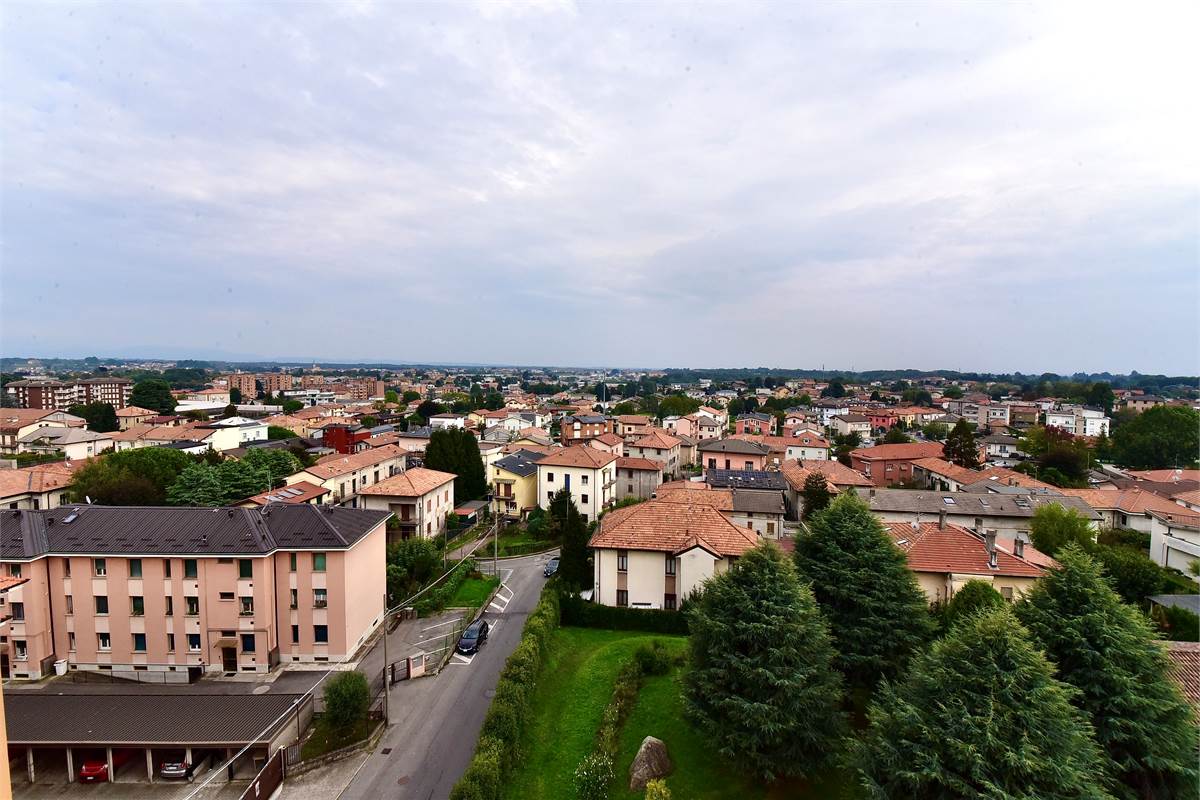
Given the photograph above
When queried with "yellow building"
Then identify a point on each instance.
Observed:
(514, 484)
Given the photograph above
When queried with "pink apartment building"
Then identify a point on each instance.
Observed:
(188, 590)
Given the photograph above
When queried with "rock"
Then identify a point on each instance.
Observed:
(650, 762)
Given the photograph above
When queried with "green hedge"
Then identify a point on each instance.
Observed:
(582, 614)
(496, 753)
(436, 599)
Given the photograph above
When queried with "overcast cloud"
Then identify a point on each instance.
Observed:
(975, 186)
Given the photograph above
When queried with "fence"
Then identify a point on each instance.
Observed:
(268, 778)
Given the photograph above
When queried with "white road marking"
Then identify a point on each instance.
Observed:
(439, 625)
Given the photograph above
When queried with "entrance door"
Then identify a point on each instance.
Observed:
(229, 659)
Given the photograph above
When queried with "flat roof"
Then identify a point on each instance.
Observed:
(145, 719)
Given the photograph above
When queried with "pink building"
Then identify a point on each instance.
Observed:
(188, 590)
(733, 454)
(755, 423)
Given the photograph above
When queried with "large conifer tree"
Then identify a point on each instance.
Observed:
(1107, 650)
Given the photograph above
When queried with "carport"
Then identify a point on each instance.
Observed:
(54, 733)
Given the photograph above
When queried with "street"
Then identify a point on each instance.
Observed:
(435, 721)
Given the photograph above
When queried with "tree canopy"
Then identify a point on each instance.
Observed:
(153, 394)
(1054, 526)
(456, 450)
(232, 481)
(101, 417)
(815, 494)
(1107, 650)
(878, 615)
(1160, 437)
(570, 529)
(960, 447)
(980, 716)
(129, 478)
(761, 684)
(973, 597)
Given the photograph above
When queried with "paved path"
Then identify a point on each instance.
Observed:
(435, 721)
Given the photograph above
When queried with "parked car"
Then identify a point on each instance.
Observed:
(551, 567)
(473, 638)
(177, 767)
(95, 770)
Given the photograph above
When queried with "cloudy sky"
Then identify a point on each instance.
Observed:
(976, 185)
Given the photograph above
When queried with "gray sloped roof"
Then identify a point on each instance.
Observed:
(734, 446)
(745, 479)
(927, 501)
(759, 501)
(522, 462)
(1189, 601)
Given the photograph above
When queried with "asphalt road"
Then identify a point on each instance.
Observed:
(435, 721)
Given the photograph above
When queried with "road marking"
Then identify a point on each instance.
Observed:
(439, 625)
(461, 659)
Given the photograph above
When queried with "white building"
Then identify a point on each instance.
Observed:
(588, 473)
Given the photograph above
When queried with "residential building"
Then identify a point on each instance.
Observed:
(942, 476)
(759, 510)
(1064, 420)
(632, 426)
(42, 486)
(638, 477)
(579, 428)
(18, 422)
(134, 415)
(45, 394)
(1175, 540)
(1140, 403)
(183, 591)
(299, 493)
(345, 437)
(515, 485)
(889, 464)
(1002, 449)
(838, 478)
(73, 443)
(1126, 508)
(755, 423)
(659, 446)
(732, 454)
(848, 423)
(944, 557)
(346, 476)
(420, 499)
(609, 443)
(448, 421)
(654, 554)
(587, 473)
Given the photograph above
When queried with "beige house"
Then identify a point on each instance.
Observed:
(638, 477)
(182, 591)
(419, 498)
(347, 475)
(587, 473)
(133, 415)
(18, 422)
(43, 486)
(659, 446)
(75, 443)
(846, 424)
(514, 484)
(654, 554)
(944, 557)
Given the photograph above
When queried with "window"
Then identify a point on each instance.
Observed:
(189, 568)
(139, 643)
(247, 642)
(670, 565)
(14, 570)
(321, 634)
(247, 607)
(70, 604)
(712, 463)
(583, 498)
(225, 595)
(193, 642)
(224, 560)
(320, 598)
(101, 604)
(584, 480)
(245, 568)
(622, 597)
(631, 488)
(549, 477)
(770, 527)
(18, 611)
(66, 567)
(549, 495)
(99, 567)
(295, 600)
(191, 606)
(622, 561)
(137, 606)
(22, 649)
(1007, 593)
(170, 643)
(103, 641)
(291, 562)
(295, 634)
(71, 641)
(170, 606)
(669, 602)
(166, 567)
(318, 562)
(135, 568)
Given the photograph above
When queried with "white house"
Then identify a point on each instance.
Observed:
(807, 446)
(587, 472)
(448, 421)
(1175, 540)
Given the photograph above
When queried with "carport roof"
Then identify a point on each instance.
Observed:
(144, 719)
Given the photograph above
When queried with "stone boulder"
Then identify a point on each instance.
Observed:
(650, 762)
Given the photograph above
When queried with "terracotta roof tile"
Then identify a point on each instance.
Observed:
(578, 456)
(414, 482)
(954, 549)
(648, 464)
(337, 464)
(949, 470)
(836, 473)
(672, 528)
(657, 439)
(720, 499)
(911, 450)
(1185, 668)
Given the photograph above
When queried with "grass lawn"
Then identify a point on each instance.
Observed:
(516, 541)
(576, 686)
(325, 740)
(473, 592)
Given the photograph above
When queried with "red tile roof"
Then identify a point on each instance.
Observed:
(720, 499)
(931, 548)
(578, 456)
(795, 471)
(287, 494)
(39, 478)
(672, 528)
(1185, 669)
(648, 464)
(337, 464)
(1130, 501)
(610, 439)
(1167, 475)
(414, 482)
(657, 439)
(888, 452)
(946, 469)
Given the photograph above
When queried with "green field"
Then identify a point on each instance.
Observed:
(473, 592)
(577, 684)
(516, 541)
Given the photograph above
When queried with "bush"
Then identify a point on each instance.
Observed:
(593, 775)
(496, 753)
(347, 700)
(657, 790)
(1176, 624)
(435, 599)
(654, 659)
(972, 598)
(580, 613)
(595, 771)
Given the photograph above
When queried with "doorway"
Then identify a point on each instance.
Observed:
(229, 659)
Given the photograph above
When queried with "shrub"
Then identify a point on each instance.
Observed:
(582, 614)
(657, 790)
(347, 699)
(654, 659)
(1176, 624)
(972, 598)
(435, 599)
(593, 775)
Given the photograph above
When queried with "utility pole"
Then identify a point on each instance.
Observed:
(495, 546)
(386, 665)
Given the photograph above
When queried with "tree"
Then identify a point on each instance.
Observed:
(952, 393)
(390, 396)
(975, 596)
(275, 432)
(456, 450)
(677, 405)
(815, 494)
(428, 408)
(292, 406)
(1100, 395)
(411, 563)
(410, 395)
(1054, 526)
(235, 395)
(835, 389)
(153, 394)
(369, 421)
(230, 411)
(960, 448)
(1161, 437)
(129, 478)
(877, 612)
(935, 431)
(1133, 576)
(198, 485)
(1108, 651)
(979, 716)
(574, 568)
(101, 417)
(347, 700)
(761, 686)
(896, 435)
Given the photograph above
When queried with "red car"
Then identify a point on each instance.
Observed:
(95, 770)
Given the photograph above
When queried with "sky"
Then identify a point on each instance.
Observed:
(973, 186)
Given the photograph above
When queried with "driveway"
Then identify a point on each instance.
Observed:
(435, 721)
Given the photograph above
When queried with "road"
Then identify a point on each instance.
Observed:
(435, 721)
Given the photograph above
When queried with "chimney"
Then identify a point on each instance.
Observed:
(989, 539)
(942, 519)
(1019, 547)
